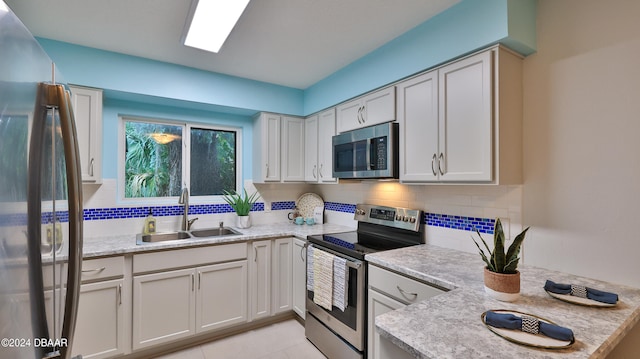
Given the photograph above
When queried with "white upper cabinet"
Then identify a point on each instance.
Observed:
(465, 152)
(87, 107)
(311, 149)
(418, 118)
(319, 130)
(266, 148)
(293, 149)
(371, 109)
(278, 148)
(462, 122)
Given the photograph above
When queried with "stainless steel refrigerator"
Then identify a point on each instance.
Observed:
(40, 201)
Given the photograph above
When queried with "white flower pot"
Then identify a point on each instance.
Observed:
(243, 222)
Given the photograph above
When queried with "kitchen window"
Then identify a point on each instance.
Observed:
(162, 157)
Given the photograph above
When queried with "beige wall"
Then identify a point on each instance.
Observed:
(581, 192)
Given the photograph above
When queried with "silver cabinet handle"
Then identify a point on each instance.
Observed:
(255, 258)
(405, 294)
(301, 253)
(193, 284)
(267, 166)
(314, 171)
(320, 171)
(199, 279)
(119, 294)
(440, 160)
(91, 167)
(433, 159)
(97, 270)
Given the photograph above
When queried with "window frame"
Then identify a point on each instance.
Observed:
(186, 159)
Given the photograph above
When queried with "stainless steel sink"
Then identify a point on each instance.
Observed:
(214, 232)
(161, 237)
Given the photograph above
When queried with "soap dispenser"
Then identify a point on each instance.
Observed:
(149, 223)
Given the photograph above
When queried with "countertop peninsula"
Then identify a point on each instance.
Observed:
(449, 325)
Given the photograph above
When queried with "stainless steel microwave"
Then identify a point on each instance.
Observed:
(370, 152)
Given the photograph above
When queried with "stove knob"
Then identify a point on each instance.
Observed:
(412, 220)
(398, 217)
(405, 219)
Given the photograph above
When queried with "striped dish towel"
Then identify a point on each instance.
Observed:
(310, 249)
(340, 283)
(323, 278)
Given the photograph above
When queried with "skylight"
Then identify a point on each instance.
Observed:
(212, 22)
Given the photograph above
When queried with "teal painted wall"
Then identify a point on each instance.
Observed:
(113, 109)
(467, 26)
(138, 76)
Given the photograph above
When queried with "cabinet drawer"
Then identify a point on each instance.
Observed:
(191, 257)
(101, 268)
(402, 288)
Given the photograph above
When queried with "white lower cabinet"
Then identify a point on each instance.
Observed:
(281, 271)
(390, 291)
(299, 267)
(164, 307)
(221, 298)
(260, 279)
(173, 304)
(270, 277)
(101, 327)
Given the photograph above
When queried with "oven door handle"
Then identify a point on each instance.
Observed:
(351, 262)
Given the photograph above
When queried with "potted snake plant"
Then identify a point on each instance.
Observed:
(501, 277)
(241, 205)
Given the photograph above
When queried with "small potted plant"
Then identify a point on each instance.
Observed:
(501, 277)
(242, 205)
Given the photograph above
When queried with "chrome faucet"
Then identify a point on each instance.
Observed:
(184, 200)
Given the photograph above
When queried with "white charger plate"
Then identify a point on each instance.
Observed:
(524, 338)
(307, 203)
(580, 301)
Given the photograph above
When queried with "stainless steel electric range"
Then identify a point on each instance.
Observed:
(342, 334)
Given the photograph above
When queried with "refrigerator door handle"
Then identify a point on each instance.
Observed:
(74, 185)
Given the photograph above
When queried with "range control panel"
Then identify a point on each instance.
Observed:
(389, 216)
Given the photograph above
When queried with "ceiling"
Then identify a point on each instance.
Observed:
(294, 43)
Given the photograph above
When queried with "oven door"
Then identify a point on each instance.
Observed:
(348, 324)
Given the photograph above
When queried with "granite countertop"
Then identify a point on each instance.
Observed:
(101, 246)
(449, 325)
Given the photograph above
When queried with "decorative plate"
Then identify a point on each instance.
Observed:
(581, 301)
(528, 339)
(307, 203)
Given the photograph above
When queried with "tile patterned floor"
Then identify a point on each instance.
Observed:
(284, 340)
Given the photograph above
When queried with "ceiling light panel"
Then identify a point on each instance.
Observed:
(212, 22)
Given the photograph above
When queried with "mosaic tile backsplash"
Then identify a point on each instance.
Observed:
(483, 225)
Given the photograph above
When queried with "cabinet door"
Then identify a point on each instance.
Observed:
(100, 326)
(221, 295)
(465, 114)
(282, 272)
(379, 347)
(379, 107)
(260, 279)
(326, 130)
(311, 149)
(299, 266)
(163, 307)
(269, 147)
(418, 120)
(350, 115)
(293, 149)
(87, 107)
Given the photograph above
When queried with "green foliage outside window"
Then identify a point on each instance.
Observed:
(153, 164)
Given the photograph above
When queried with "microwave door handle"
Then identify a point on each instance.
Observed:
(371, 155)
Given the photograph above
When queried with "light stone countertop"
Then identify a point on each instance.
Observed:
(449, 325)
(123, 244)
